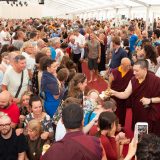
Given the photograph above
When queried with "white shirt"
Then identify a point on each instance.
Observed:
(60, 131)
(158, 72)
(3, 36)
(12, 80)
(80, 39)
(58, 50)
(29, 60)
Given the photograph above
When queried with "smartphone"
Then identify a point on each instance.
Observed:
(141, 128)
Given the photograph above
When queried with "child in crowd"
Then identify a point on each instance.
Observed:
(91, 101)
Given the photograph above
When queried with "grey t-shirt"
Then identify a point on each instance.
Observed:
(93, 48)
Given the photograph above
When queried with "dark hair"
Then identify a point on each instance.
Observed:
(63, 74)
(72, 116)
(32, 34)
(4, 48)
(151, 53)
(110, 104)
(74, 90)
(47, 63)
(34, 98)
(157, 32)
(38, 56)
(64, 45)
(116, 40)
(148, 148)
(71, 100)
(105, 121)
(143, 63)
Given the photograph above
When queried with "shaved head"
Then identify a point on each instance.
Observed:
(125, 61)
(126, 64)
(5, 98)
(5, 95)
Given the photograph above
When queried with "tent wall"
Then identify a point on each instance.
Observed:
(7, 11)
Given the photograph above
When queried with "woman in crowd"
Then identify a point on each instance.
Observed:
(38, 114)
(77, 86)
(51, 87)
(106, 133)
(24, 107)
(151, 57)
(34, 140)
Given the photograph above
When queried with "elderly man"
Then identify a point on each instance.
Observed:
(144, 89)
(16, 78)
(11, 145)
(10, 108)
(118, 80)
(75, 144)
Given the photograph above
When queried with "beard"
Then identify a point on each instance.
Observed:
(6, 131)
(5, 106)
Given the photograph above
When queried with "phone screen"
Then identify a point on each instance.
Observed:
(142, 129)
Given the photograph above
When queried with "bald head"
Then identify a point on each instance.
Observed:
(125, 61)
(125, 64)
(5, 119)
(5, 98)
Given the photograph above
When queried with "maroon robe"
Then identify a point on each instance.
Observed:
(149, 88)
(75, 146)
(120, 84)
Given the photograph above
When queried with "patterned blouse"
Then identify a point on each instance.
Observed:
(46, 122)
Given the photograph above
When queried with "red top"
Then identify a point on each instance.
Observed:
(109, 144)
(13, 112)
(110, 147)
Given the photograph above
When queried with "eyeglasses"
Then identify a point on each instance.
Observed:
(5, 125)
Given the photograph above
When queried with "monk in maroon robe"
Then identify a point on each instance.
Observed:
(144, 89)
(119, 80)
(75, 145)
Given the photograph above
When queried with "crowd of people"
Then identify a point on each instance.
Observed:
(47, 110)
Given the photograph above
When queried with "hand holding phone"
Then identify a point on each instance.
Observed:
(141, 128)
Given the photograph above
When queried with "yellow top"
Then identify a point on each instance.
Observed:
(122, 72)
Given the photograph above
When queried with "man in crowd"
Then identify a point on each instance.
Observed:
(80, 42)
(11, 145)
(118, 53)
(75, 145)
(118, 80)
(144, 89)
(6, 106)
(94, 56)
(133, 38)
(16, 78)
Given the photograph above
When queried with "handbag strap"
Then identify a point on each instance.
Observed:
(19, 88)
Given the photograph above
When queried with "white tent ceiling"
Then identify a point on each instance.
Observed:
(62, 7)
(78, 6)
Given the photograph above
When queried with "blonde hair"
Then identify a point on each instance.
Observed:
(45, 49)
(25, 45)
(26, 93)
(35, 125)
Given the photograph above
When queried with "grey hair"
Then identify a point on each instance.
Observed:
(54, 41)
(19, 57)
(143, 63)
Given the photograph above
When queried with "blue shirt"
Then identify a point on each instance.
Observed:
(117, 56)
(53, 53)
(132, 42)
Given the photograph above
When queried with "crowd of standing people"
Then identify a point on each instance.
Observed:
(47, 110)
